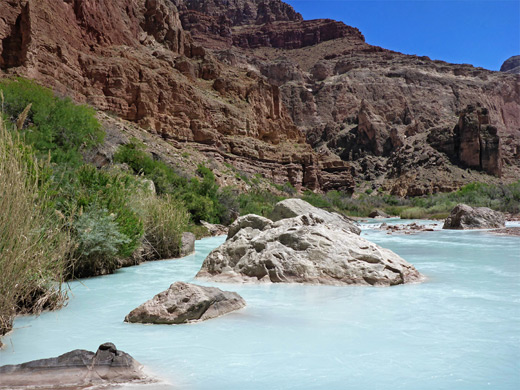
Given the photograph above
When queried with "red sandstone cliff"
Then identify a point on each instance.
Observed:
(247, 81)
(133, 58)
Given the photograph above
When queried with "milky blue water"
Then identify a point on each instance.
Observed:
(458, 330)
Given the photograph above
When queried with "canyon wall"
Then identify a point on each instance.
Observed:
(251, 83)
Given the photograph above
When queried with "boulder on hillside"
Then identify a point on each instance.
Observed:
(75, 369)
(184, 303)
(303, 249)
(465, 217)
(290, 208)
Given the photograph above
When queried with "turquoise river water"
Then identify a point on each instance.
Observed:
(458, 330)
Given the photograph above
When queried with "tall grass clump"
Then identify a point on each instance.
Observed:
(165, 221)
(33, 248)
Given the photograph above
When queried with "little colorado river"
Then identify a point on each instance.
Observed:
(459, 329)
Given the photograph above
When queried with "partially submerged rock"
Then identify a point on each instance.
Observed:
(465, 217)
(184, 303)
(215, 229)
(187, 244)
(75, 369)
(290, 208)
(378, 214)
(303, 249)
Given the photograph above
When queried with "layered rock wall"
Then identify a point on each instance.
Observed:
(133, 58)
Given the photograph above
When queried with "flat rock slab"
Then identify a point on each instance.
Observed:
(303, 249)
(185, 303)
(466, 217)
(510, 231)
(74, 370)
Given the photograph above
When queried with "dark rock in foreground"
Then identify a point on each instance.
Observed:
(303, 249)
(466, 217)
(75, 369)
(184, 303)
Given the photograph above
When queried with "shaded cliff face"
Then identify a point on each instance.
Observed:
(133, 58)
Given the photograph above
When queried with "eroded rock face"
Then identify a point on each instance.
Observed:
(248, 82)
(355, 102)
(133, 58)
(303, 249)
(466, 217)
(290, 208)
(477, 143)
(75, 369)
(184, 303)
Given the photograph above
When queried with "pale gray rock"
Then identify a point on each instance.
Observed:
(215, 229)
(75, 369)
(290, 208)
(252, 221)
(466, 217)
(304, 249)
(187, 244)
(185, 303)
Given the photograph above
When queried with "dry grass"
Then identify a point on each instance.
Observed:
(32, 248)
(165, 221)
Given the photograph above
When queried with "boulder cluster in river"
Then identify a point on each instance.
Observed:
(303, 244)
(466, 217)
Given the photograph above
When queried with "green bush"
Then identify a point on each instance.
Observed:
(98, 242)
(86, 187)
(256, 201)
(56, 126)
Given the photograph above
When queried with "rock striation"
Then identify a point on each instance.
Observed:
(75, 369)
(303, 249)
(465, 217)
(186, 303)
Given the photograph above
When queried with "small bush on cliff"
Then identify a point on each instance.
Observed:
(56, 126)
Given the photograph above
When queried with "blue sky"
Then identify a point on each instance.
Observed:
(479, 32)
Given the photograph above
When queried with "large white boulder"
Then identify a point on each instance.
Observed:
(303, 249)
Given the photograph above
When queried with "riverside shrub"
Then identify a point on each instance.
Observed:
(54, 126)
(33, 247)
